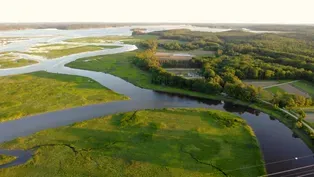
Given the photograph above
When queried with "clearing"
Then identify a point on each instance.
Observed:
(167, 142)
(261, 83)
(173, 56)
(189, 73)
(305, 86)
(39, 92)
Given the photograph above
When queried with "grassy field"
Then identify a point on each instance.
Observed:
(39, 92)
(6, 159)
(305, 86)
(261, 83)
(197, 52)
(167, 142)
(275, 90)
(15, 63)
(109, 39)
(56, 53)
(12, 60)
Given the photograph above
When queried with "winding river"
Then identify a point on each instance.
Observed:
(279, 145)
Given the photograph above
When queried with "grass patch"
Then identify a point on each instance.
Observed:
(15, 63)
(305, 86)
(56, 53)
(109, 39)
(167, 142)
(100, 39)
(6, 159)
(39, 92)
(275, 90)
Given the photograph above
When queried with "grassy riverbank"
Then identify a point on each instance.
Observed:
(120, 65)
(6, 159)
(167, 142)
(64, 51)
(14, 64)
(39, 92)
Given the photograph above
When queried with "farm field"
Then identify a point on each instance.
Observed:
(39, 92)
(167, 142)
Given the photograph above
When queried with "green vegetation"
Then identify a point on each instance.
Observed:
(121, 66)
(234, 61)
(6, 159)
(15, 63)
(99, 39)
(56, 53)
(109, 39)
(167, 142)
(275, 90)
(308, 87)
(38, 92)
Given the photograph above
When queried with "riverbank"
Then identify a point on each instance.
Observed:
(41, 92)
(120, 65)
(162, 142)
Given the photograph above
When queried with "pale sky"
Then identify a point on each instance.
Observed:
(191, 11)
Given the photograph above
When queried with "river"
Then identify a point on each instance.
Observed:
(278, 144)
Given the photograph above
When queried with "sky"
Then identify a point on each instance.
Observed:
(183, 11)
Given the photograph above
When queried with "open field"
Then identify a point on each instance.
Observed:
(9, 60)
(110, 39)
(275, 90)
(173, 56)
(261, 83)
(294, 87)
(39, 92)
(6, 159)
(305, 87)
(60, 50)
(185, 72)
(103, 39)
(289, 88)
(198, 52)
(167, 142)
